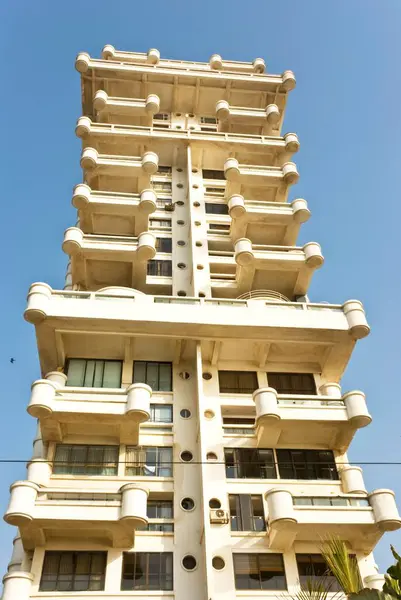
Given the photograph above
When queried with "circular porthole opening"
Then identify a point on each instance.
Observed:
(194, 170)
(198, 223)
(198, 244)
(209, 414)
(207, 376)
(180, 185)
(195, 186)
(189, 562)
(196, 204)
(202, 295)
(180, 222)
(184, 375)
(178, 114)
(191, 116)
(181, 243)
(218, 563)
(199, 267)
(182, 266)
(178, 127)
(214, 503)
(179, 170)
(187, 504)
(186, 456)
(185, 413)
(192, 128)
(211, 456)
(181, 293)
(180, 203)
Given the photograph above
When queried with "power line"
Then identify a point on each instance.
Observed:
(194, 462)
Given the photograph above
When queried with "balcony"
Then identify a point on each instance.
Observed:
(109, 171)
(65, 411)
(269, 183)
(260, 221)
(99, 260)
(268, 119)
(108, 106)
(117, 213)
(51, 515)
(312, 337)
(325, 421)
(361, 526)
(108, 138)
(285, 269)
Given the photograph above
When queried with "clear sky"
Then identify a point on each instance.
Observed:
(345, 109)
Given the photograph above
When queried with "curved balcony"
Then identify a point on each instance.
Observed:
(354, 520)
(268, 119)
(135, 107)
(256, 266)
(108, 167)
(117, 213)
(45, 514)
(17, 585)
(274, 221)
(274, 182)
(98, 260)
(64, 411)
(327, 420)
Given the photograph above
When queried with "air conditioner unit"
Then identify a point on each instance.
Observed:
(218, 515)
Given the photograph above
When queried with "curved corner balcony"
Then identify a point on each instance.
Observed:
(116, 212)
(45, 515)
(64, 411)
(274, 182)
(269, 119)
(133, 107)
(108, 167)
(255, 266)
(360, 520)
(281, 221)
(94, 256)
(330, 420)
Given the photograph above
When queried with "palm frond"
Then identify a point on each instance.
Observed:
(316, 588)
(343, 566)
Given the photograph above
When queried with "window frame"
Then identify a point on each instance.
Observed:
(246, 469)
(257, 557)
(245, 513)
(238, 389)
(153, 362)
(57, 469)
(154, 407)
(327, 574)
(96, 360)
(305, 380)
(139, 466)
(163, 576)
(163, 268)
(307, 466)
(74, 575)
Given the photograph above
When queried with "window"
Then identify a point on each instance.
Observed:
(152, 461)
(292, 383)
(83, 372)
(209, 120)
(164, 244)
(164, 170)
(246, 513)
(162, 186)
(306, 464)
(216, 208)
(161, 117)
(77, 459)
(156, 374)
(212, 174)
(259, 572)
(314, 565)
(160, 509)
(147, 571)
(249, 463)
(73, 572)
(219, 226)
(160, 268)
(160, 223)
(161, 413)
(331, 501)
(219, 191)
(237, 382)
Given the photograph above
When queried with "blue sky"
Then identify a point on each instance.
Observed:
(345, 109)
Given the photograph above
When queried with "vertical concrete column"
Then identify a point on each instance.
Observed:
(181, 224)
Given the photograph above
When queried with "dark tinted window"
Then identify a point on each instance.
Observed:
(246, 512)
(215, 208)
(147, 571)
(73, 572)
(237, 382)
(164, 244)
(259, 572)
(306, 464)
(250, 463)
(160, 268)
(313, 566)
(77, 459)
(292, 383)
(156, 374)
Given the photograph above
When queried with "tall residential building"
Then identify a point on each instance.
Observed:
(192, 432)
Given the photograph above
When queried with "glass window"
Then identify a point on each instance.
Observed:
(246, 512)
(156, 374)
(259, 572)
(216, 208)
(76, 459)
(210, 120)
(160, 222)
(306, 464)
(73, 571)
(312, 566)
(161, 186)
(147, 571)
(161, 116)
(164, 244)
(212, 174)
(161, 413)
(82, 372)
(250, 463)
(237, 382)
(213, 226)
(292, 383)
(152, 461)
(160, 268)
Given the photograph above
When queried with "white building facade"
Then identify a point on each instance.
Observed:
(192, 431)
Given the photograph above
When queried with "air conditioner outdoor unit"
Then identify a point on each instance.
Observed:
(218, 515)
